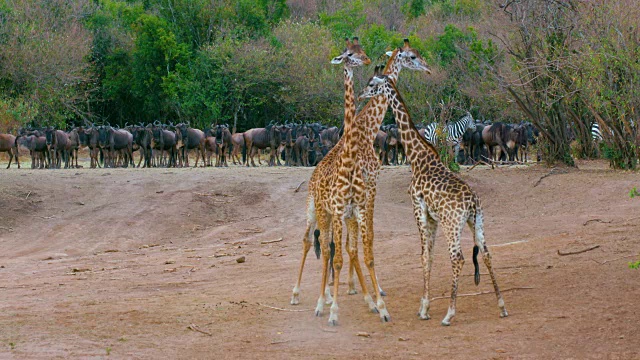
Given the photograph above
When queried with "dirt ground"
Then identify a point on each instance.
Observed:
(121, 262)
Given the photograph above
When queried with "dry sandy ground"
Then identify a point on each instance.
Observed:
(120, 262)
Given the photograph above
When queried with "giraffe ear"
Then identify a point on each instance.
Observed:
(377, 80)
(338, 59)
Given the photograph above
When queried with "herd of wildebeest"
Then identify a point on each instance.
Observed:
(168, 145)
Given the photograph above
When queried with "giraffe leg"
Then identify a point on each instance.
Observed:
(336, 226)
(478, 231)
(369, 261)
(371, 196)
(427, 227)
(306, 245)
(352, 248)
(452, 233)
(325, 238)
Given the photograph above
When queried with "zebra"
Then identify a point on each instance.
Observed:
(454, 131)
(596, 135)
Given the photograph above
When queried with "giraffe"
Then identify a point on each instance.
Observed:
(371, 117)
(323, 177)
(439, 197)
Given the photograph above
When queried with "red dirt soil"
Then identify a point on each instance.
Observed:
(122, 262)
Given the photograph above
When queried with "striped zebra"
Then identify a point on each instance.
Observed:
(454, 131)
(596, 135)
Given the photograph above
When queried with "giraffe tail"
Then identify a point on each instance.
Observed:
(476, 275)
(316, 242)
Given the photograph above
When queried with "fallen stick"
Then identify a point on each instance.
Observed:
(577, 252)
(27, 195)
(552, 172)
(596, 220)
(484, 292)
(271, 241)
(279, 342)
(281, 309)
(6, 228)
(476, 164)
(194, 327)
(618, 258)
(510, 243)
(298, 188)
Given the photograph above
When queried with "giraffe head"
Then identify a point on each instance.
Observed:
(376, 85)
(353, 55)
(409, 58)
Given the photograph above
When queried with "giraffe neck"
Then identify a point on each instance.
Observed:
(417, 149)
(350, 134)
(349, 96)
(376, 108)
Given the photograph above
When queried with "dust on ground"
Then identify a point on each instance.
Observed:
(141, 263)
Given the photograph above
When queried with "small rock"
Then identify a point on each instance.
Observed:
(240, 260)
(170, 270)
(621, 336)
(363, 334)
(169, 262)
(402, 339)
(80, 203)
(265, 254)
(76, 270)
(159, 192)
(501, 351)
(1, 266)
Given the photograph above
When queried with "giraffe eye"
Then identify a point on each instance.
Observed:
(413, 57)
(350, 54)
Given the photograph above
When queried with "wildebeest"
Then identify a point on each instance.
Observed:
(330, 137)
(223, 141)
(37, 146)
(58, 142)
(165, 141)
(116, 142)
(237, 142)
(89, 137)
(516, 138)
(495, 135)
(191, 139)
(262, 138)
(301, 149)
(143, 137)
(472, 143)
(72, 146)
(392, 145)
(8, 144)
(289, 137)
(379, 143)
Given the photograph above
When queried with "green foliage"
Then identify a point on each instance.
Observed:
(633, 193)
(634, 265)
(346, 21)
(415, 8)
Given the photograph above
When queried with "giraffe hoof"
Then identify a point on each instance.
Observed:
(295, 301)
(504, 314)
(424, 317)
(383, 293)
(374, 310)
(385, 318)
(352, 292)
(318, 313)
(445, 323)
(333, 322)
